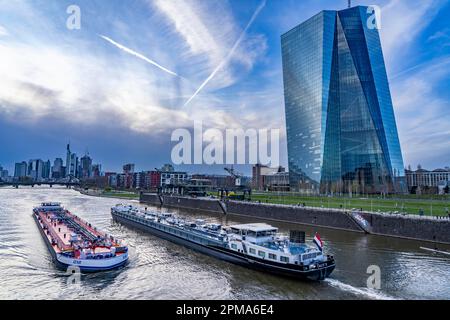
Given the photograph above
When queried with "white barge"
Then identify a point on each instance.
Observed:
(256, 245)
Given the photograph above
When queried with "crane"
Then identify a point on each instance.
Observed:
(234, 174)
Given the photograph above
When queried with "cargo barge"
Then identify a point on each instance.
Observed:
(75, 242)
(257, 245)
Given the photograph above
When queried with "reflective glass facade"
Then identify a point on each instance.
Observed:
(341, 130)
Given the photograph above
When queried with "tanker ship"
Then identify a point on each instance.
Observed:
(75, 242)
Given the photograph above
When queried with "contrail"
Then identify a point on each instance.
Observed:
(136, 54)
(230, 54)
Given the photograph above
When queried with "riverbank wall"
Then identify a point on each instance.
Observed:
(431, 229)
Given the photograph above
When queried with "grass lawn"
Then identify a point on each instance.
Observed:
(128, 195)
(407, 205)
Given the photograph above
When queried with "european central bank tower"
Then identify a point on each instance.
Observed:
(341, 130)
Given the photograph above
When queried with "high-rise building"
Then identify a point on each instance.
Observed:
(68, 159)
(58, 169)
(3, 173)
(20, 170)
(341, 130)
(72, 165)
(96, 170)
(86, 167)
(35, 169)
(46, 169)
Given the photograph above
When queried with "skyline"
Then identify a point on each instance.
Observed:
(65, 78)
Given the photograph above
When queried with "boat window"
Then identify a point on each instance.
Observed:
(284, 259)
(265, 233)
(261, 254)
(253, 251)
(251, 233)
(272, 256)
(234, 246)
(235, 231)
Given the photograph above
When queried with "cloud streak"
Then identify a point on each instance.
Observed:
(230, 54)
(138, 55)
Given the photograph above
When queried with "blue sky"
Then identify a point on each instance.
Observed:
(59, 85)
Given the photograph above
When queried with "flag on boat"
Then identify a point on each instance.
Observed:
(318, 241)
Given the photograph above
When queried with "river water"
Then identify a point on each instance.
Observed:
(159, 269)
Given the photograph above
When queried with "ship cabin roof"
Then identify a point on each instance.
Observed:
(254, 228)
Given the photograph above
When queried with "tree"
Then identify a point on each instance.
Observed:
(447, 189)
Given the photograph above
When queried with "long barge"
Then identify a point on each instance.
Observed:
(72, 241)
(258, 245)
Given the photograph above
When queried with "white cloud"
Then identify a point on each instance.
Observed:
(442, 34)
(3, 31)
(85, 90)
(79, 82)
(421, 113)
(402, 22)
(209, 31)
(423, 117)
(229, 55)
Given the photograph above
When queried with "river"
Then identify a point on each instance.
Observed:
(159, 269)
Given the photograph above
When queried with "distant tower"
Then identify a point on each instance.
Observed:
(349, 3)
(68, 157)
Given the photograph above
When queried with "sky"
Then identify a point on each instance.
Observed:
(136, 70)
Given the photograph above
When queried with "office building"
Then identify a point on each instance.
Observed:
(20, 170)
(58, 169)
(85, 167)
(270, 179)
(35, 169)
(341, 130)
(429, 182)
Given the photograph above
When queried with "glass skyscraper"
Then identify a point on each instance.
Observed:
(341, 130)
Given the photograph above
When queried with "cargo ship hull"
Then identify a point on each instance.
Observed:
(222, 252)
(63, 262)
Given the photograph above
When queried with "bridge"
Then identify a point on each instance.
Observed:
(32, 184)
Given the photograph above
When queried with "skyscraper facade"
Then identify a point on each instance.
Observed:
(72, 165)
(46, 169)
(341, 130)
(58, 169)
(86, 167)
(20, 170)
(36, 169)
